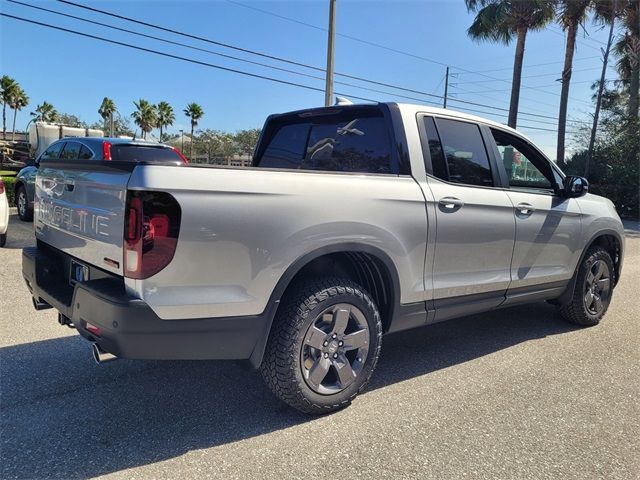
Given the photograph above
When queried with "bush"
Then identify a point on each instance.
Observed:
(9, 187)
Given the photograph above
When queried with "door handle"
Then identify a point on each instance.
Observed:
(450, 203)
(525, 209)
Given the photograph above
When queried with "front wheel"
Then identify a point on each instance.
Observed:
(324, 345)
(593, 289)
(3, 239)
(22, 203)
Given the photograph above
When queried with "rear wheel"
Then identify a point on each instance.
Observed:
(22, 204)
(593, 289)
(3, 239)
(324, 345)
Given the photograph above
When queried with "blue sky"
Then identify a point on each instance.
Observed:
(415, 40)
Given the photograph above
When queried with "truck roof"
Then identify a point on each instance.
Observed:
(411, 109)
(416, 108)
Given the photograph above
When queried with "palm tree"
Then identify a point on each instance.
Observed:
(145, 116)
(627, 49)
(571, 14)
(17, 102)
(45, 113)
(7, 88)
(166, 116)
(501, 21)
(106, 111)
(195, 113)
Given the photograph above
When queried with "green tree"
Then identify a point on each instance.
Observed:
(571, 14)
(194, 112)
(121, 125)
(627, 49)
(502, 20)
(615, 171)
(18, 101)
(145, 116)
(45, 112)
(107, 110)
(166, 116)
(8, 87)
(70, 120)
(247, 140)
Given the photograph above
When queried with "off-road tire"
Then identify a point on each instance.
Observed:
(282, 364)
(575, 311)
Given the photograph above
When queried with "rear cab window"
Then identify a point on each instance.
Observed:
(127, 152)
(355, 140)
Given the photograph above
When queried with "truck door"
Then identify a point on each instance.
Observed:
(475, 225)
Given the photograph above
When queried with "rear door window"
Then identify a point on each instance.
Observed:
(85, 153)
(351, 141)
(52, 152)
(466, 157)
(70, 151)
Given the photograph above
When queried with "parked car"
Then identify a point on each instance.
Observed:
(353, 222)
(91, 148)
(4, 215)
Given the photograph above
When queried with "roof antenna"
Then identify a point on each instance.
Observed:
(343, 101)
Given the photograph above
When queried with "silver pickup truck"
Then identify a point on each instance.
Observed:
(353, 222)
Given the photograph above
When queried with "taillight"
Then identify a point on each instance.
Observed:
(1, 186)
(182, 157)
(152, 224)
(106, 150)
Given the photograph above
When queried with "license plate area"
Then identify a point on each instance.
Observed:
(78, 273)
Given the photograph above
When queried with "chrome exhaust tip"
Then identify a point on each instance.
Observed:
(100, 356)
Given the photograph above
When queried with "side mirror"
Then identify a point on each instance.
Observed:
(574, 186)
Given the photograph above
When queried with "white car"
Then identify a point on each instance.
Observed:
(4, 215)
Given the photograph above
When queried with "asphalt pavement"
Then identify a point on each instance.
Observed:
(515, 393)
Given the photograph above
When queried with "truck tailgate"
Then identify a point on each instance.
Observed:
(80, 210)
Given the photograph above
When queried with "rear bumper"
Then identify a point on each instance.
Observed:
(128, 327)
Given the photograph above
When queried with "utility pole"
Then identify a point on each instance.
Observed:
(328, 90)
(596, 114)
(446, 87)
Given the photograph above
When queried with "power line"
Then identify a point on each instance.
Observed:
(537, 64)
(549, 74)
(94, 22)
(273, 57)
(263, 76)
(177, 57)
(367, 42)
(350, 37)
(216, 53)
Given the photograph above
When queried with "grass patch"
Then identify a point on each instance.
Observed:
(9, 187)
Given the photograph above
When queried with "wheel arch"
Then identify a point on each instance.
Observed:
(613, 243)
(365, 264)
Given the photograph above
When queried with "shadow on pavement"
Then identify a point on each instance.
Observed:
(65, 417)
(19, 234)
